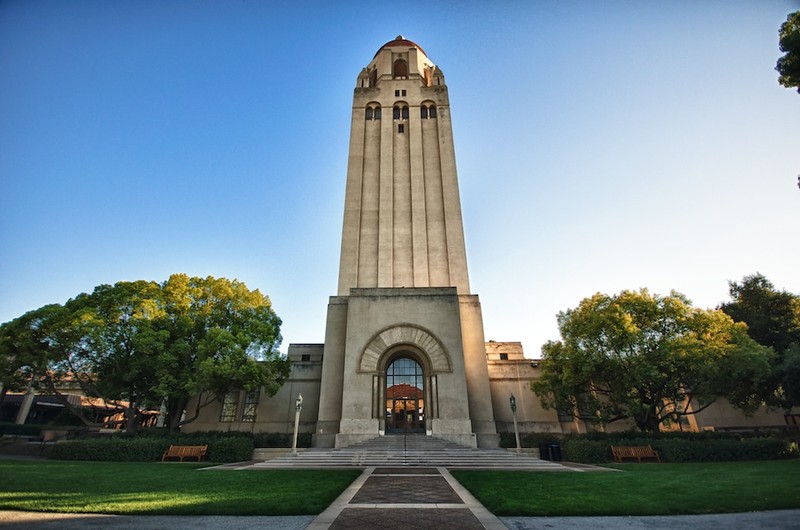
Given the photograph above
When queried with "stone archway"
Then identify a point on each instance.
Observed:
(405, 335)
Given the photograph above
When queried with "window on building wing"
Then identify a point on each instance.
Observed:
(377, 113)
(368, 113)
(405, 113)
(401, 128)
(229, 403)
(423, 112)
(432, 112)
(250, 406)
(396, 113)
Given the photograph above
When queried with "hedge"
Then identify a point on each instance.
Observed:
(12, 429)
(595, 448)
(148, 449)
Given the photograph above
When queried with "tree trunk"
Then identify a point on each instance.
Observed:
(649, 422)
(175, 408)
(131, 418)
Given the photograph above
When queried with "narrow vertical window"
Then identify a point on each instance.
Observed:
(401, 128)
(423, 112)
(400, 69)
(432, 112)
(397, 93)
(250, 406)
(405, 113)
(229, 403)
(377, 113)
(368, 113)
(396, 113)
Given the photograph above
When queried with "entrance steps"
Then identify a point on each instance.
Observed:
(414, 450)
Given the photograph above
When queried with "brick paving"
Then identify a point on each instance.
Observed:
(396, 518)
(404, 489)
(400, 498)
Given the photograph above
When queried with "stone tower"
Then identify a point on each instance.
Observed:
(404, 345)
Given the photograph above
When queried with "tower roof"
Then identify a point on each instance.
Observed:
(401, 41)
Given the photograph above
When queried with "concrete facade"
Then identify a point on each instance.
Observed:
(403, 283)
(404, 341)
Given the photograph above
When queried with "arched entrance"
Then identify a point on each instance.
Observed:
(405, 396)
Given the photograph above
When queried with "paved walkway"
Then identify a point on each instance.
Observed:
(416, 497)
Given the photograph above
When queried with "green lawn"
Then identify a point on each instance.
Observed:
(172, 488)
(640, 489)
(185, 489)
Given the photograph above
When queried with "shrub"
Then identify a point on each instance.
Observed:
(724, 450)
(20, 430)
(150, 447)
(114, 449)
(233, 449)
(586, 451)
(594, 448)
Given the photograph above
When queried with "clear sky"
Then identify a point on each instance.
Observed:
(601, 146)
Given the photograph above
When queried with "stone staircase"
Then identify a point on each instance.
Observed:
(410, 450)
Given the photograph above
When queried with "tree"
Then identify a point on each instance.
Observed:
(789, 40)
(118, 342)
(773, 320)
(648, 358)
(143, 343)
(29, 345)
(772, 316)
(222, 336)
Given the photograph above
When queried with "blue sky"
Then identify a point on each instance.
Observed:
(601, 146)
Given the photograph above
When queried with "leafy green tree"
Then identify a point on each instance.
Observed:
(119, 340)
(648, 358)
(773, 319)
(789, 40)
(144, 343)
(28, 344)
(222, 336)
(772, 316)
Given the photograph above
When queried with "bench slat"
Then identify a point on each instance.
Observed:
(638, 452)
(185, 451)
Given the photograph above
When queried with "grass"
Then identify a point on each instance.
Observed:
(166, 489)
(185, 489)
(641, 489)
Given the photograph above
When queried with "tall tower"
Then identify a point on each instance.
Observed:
(404, 346)
(402, 221)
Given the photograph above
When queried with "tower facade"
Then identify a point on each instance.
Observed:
(404, 345)
(402, 220)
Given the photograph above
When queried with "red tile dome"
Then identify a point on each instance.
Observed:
(401, 41)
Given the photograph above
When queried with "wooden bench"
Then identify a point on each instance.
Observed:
(638, 452)
(185, 451)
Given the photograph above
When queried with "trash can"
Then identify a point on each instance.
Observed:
(555, 452)
(544, 451)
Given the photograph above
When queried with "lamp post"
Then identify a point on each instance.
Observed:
(513, 402)
(298, 406)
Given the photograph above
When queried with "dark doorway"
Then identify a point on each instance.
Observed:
(405, 396)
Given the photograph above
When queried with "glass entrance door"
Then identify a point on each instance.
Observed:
(405, 396)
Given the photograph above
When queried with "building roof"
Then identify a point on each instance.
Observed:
(401, 41)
